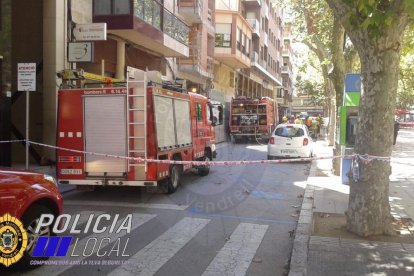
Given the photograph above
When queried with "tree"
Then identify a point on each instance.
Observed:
(325, 37)
(376, 29)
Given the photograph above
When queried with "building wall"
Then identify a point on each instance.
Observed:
(54, 60)
(223, 91)
(26, 43)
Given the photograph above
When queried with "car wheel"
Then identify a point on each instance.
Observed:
(204, 170)
(30, 221)
(175, 178)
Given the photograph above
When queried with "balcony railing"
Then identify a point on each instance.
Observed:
(149, 11)
(152, 12)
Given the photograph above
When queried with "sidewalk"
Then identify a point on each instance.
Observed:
(313, 255)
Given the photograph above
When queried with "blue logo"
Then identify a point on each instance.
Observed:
(52, 246)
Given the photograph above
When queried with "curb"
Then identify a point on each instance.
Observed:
(299, 257)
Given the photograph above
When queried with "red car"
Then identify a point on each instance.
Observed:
(27, 195)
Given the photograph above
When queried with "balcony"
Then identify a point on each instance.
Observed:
(254, 23)
(148, 24)
(233, 53)
(252, 3)
(191, 10)
(197, 64)
(225, 52)
(286, 70)
(196, 69)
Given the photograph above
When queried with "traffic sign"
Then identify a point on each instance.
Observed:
(26, 76)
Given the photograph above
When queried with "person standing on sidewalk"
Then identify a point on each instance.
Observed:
(396, 129)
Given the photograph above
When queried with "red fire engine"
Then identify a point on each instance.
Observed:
(252, 118)
(139, 119)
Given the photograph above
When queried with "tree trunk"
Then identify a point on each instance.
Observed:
(338, 60)
(337, 76)
(332, 115)
(369, 209)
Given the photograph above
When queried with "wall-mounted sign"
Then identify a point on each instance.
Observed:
(26, 76)
(80, 52)
(90, 32)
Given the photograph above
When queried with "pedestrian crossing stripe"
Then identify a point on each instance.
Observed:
(152, 257)
(238, 252)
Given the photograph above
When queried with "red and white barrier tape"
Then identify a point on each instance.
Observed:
(198, 163)
(365, 158)
(11, 141)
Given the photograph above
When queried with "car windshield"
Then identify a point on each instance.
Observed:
(289, 132)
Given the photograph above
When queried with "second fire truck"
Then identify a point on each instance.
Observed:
(252, 119)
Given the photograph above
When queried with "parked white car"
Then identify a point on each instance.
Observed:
(290, 141)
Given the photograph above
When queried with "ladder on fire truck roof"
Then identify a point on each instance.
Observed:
(136, 119)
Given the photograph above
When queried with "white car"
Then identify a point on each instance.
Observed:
(290, 141)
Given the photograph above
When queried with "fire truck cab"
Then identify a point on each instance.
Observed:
(111, 127)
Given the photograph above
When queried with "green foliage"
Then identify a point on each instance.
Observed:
(405, 96)
(409, 7)
(312, 88)
(376, 15)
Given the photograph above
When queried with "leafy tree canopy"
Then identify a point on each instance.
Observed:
(374, 15)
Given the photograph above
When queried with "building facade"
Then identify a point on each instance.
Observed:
(220, 49)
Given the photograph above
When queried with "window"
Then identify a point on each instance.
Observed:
(289, 132)
(239, 39)
(223, 35)
(121, 7)
(199, 112)
(248, 47)
(102, 7)
(243, 49)
(108, 7)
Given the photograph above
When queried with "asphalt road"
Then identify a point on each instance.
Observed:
(235, 221)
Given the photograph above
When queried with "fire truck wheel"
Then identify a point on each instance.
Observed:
(204, 170)
(175, 178)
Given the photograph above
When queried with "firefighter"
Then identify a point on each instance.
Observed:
(284, 120)
(308, 122)
(298, 120)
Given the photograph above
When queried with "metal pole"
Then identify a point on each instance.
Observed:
(27, 130)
